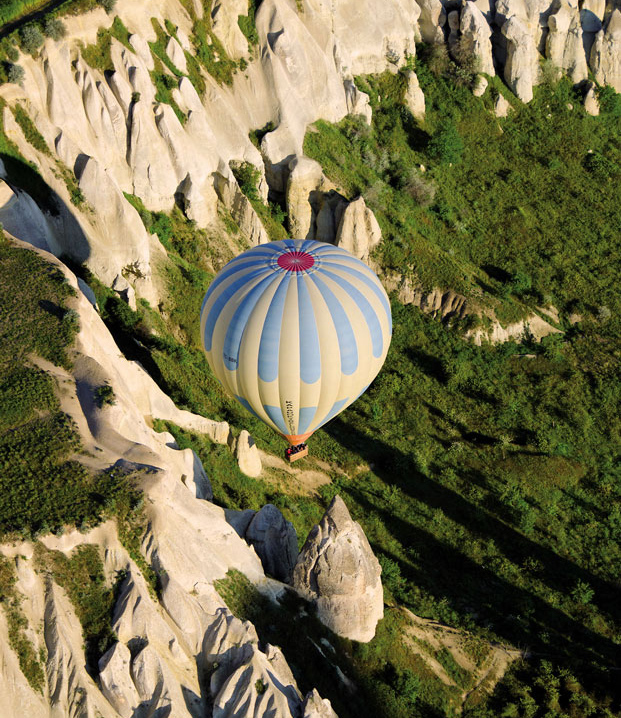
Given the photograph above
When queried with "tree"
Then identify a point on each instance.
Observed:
(54, 28)
(31, 38)
(15, 74)
(447, 145)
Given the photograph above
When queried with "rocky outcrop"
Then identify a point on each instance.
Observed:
(358, 231)
(116, 682)
(591, 103)
(226, 28)
(247, 454)
(305, 179)
(606, 52)
(431, 21)
(521, 52)
(475, 38)
(564, 44)
(414, 98)
(275, 541)
(338, 572)
(316, 707)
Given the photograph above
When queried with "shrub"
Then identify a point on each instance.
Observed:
(247, 176)
(16, 74)
(31, 38)
(104, 396)
(447, 144)
(54, 28)
(12, 53)
(108, 5)
(422, 191)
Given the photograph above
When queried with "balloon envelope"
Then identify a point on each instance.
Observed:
(296, 330)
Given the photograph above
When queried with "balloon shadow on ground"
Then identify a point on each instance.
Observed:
(516, 614)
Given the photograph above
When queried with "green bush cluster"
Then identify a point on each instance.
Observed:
(82, 577)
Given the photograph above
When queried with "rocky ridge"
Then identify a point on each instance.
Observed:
(116, 137)
(163, 649)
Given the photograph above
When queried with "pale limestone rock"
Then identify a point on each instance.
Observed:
(136, 616)
(128, 241)
(591, 103)
(453, 36)
(605, 60)
(275, 541)
(591, 17)
(501, 106)
(116, 682)
(240, 207)
(520, 52)
(305, 178)
(431, 21)
(414, 98)
(358, 231)
(257, 688)
(71, 690)
(304, 82)
(153, 173)
(370, 38)
(17, 698)
(315, 706)
(247, 454)
(200, 201)
(225, 27)
(158, 688)
(21, 217)
(475, 37)
(228, 642)
(337, 571)
(480, 85)
(189, 612)
(357, 102)
(183, 38)
(142, 49)
(533, 326)
(564, 44)
(125, 290)
(177, 55)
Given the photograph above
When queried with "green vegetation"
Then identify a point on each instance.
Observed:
(104, 396)
(552, 202)
(247, 25)
(271, 215)
(31, 38)
(82, 577)
(34, 137)
(43, 485)
(499, 464)
(24, 174)
(29, 662)
(391, 677)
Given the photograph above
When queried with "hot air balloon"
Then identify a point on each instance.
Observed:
(296, 330)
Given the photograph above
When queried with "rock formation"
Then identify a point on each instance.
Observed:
(475, 37)
(247, 454)
(338, 572)
(414, 97)
(275, 541)
(564, 44)
(606, 52)
(521, 51)
(358, 231)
